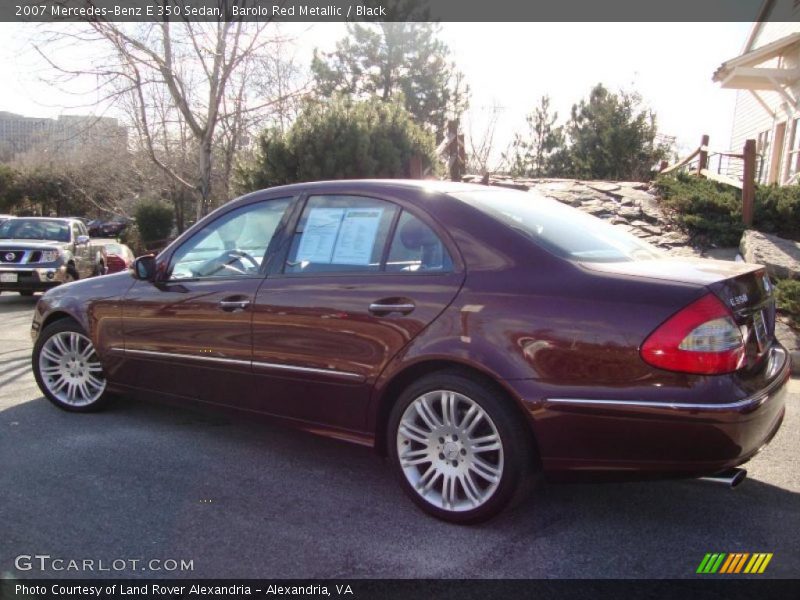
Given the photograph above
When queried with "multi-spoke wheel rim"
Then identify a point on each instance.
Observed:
(450, 451)
(71, 370)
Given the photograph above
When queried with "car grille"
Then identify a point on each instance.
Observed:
(11, 256)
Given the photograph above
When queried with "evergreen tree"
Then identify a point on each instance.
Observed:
(612, 136)
(340, 139)
(533, 155)
(395, 60)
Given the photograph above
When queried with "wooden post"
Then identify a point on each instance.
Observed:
(749, 182)
(461, 157)
(415, 167)
(453, 150)
(702, 162)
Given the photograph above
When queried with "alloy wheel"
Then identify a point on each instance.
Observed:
(450, 450)
(71, 370)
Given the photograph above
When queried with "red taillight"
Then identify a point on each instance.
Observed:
(702, 338)
(115, 263)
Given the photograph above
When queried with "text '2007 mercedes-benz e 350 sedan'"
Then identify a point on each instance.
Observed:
(475, 335)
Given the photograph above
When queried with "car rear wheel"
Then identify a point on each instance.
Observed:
(461, 450)
(68, 369)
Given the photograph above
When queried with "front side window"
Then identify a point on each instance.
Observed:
(234, 245)
(340, 234)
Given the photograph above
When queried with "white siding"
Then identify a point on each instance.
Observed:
(785, 17)
(750, 119)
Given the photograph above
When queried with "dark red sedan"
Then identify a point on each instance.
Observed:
(475, 335)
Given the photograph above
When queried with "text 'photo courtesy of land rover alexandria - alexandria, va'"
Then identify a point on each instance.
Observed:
(476, 336)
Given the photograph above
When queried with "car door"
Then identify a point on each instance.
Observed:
(360, 277)
(80, 251)
(189, 333)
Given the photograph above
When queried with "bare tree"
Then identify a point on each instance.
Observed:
(481, 158)
(95, 179)
(179, 81)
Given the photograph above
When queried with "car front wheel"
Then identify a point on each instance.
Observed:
(68, 369)
(460, 448)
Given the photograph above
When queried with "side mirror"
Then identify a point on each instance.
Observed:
(82, 240)
(144, 267)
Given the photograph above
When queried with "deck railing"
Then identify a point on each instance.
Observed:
(741, 170)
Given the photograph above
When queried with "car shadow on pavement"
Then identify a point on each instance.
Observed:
(250, 499)
(13, 368)
(14, 299)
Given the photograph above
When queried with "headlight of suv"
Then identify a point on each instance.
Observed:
(50, 256)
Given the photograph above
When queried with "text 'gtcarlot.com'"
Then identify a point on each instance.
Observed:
(45, 562)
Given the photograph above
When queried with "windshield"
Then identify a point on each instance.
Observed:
(561, 229)
(35, 229)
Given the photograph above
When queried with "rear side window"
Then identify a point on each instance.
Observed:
(416, 248)
(340, 234)
(563, 230)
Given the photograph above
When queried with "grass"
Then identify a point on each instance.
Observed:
(787, 296)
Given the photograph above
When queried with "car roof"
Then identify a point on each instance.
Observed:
(48, 218)
(445, 187)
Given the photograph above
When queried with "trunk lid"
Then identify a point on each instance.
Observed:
(744, 288)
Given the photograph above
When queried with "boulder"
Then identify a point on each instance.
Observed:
(603, 186)
(648, 227)
(779, 255)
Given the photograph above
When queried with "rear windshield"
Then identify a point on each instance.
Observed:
(561, 229)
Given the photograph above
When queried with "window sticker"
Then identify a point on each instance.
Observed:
(357, 236)
(319, 235)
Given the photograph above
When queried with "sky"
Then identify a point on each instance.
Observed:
(508, 65)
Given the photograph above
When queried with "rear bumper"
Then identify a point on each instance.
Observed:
(660, 438)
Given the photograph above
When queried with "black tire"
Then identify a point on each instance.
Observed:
(26, 293)
(72, 273)
(47, 384)
(516, 462)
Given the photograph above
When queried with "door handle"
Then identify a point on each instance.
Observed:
(384, 308)
(233, 305)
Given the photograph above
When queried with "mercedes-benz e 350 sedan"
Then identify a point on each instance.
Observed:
(475, 335)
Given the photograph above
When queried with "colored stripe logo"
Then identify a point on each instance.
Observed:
(737, 562)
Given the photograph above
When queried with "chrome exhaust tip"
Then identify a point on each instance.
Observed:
(729, 477)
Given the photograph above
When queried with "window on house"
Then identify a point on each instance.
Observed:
(762, 149)
(793, 158)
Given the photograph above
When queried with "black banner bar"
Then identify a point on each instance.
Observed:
(398, 10)
(702, 588)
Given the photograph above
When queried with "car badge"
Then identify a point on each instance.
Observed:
(10, 256)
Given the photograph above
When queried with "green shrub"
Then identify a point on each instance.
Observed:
(787, 295)
(711, 213)
(340, 139)
(777, 210)
(131, 238)
(154, 220)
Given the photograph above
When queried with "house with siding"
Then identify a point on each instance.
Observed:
(766, 76)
